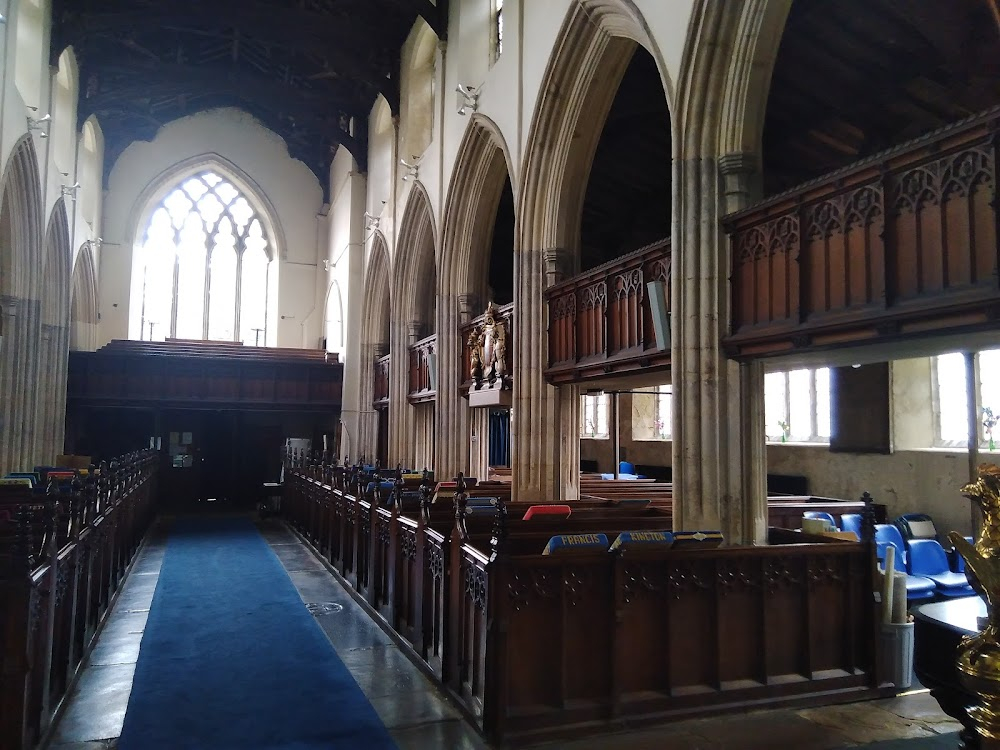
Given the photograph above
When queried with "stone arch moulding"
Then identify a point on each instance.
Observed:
(55, 287)
(158, 188)
(83, 301)
(21, 186)
(412, 260)
(333, 311)
(481, 167)
(377, 292)
(591, 53)
(747, 81)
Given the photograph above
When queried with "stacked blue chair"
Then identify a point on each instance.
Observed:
(957, 561)
(928, 558)
(917, 587)
(851, 522)
(916, 526)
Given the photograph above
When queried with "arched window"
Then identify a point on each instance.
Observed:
(206, 257)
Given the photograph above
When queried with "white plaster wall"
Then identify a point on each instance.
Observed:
(290, 187)
(26, 80)
(381, 201)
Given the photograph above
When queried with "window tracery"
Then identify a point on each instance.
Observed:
(206, 259)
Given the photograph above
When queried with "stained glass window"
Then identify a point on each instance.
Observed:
(206, 258)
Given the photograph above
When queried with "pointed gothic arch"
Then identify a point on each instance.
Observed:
(55, 287)
(20, 314)
(483, 168)
(414, 294)
(591, 54)
(54, 341)
(375, 339)
(83, 302)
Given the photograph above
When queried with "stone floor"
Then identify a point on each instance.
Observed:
(419, 716)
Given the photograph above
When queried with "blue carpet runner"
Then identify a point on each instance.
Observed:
(231, 658)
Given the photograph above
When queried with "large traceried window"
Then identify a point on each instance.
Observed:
(797, 406)
(206, 258)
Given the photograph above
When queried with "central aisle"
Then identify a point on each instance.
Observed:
(231, 658)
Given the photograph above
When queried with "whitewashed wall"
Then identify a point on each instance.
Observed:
(287, 184)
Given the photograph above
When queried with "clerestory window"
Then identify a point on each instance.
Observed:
(497, 29)
(206, 258)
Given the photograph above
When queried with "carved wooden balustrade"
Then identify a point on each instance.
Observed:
(533, 645)
(602, 321)
(381, 397)
(423, 382)
(504, 314)
(63, 556)
(898, 245)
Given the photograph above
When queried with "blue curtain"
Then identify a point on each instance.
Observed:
(500, 437)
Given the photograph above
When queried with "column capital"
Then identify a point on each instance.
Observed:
(558, 263)
(741, 180)
(468, 308)
(414, 332)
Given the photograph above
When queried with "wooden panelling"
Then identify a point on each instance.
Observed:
(196, 375)
(860, 408)
(63, 555)
(422, 387)
(381, 392)
(532, 645)
(601, 321)
(903, 242)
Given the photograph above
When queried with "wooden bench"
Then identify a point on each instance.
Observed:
(532, 645)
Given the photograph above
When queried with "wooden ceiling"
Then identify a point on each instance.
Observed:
(304, 68)
(854, 77)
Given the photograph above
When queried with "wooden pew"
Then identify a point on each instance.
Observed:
(629, 636)
(63, 555)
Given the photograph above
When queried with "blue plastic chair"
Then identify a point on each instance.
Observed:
(928, 559)
(822, 515)
(957, 561)
(851, 522)
(917, 587)
(916, 526)
(625, 467)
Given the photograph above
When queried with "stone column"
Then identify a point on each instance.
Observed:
(545, 421)
(719, 464)
(9, 350)
(414, 332)
(57, 439)
(451, 422)
(19, 377)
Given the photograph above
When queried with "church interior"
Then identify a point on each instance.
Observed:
(499, 373)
